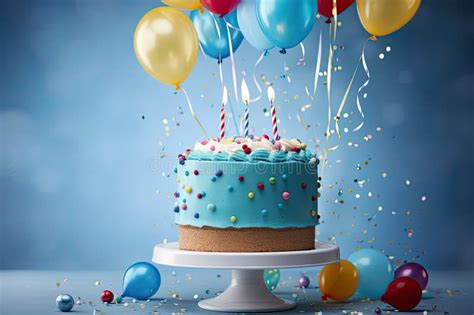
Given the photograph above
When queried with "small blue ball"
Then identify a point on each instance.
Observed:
(213, 178)
(196, 215)
(181, 161)
(219, 173)
(230, 188)
(280, 205)
(284, 177)
(264, 212)
(65, 302)
(176, 209)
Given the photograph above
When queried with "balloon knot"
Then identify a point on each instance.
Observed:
(328, 21)
(266, 52)
(283, 51)
(177, 87)
(201, 10)
(373, 38)
(219, 60)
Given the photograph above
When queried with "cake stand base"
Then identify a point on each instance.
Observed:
(247, 291)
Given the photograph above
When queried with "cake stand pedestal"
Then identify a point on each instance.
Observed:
(247, 291)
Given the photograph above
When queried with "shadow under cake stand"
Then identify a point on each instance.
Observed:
(247, 291)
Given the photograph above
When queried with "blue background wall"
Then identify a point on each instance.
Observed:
(85, 180)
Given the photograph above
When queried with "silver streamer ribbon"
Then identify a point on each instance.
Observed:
(346, 93)
(254, 77)
(193, 113)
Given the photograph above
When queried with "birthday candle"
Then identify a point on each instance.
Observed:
(271, 98)
(224, 102)
(245, 98)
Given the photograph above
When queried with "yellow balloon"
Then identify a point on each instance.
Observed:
(382, 17)
(166, 45)
(184, 4)
(338, 281)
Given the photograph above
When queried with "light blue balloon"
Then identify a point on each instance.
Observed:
(375, 272)
(208, 28)
(248, 24)
(286, 23)
(141, 281)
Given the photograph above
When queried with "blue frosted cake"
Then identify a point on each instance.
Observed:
(247, 195)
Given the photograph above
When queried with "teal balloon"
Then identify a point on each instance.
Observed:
(286, 23)
(141, 281)
(271, 277)
(212, 33)
(375, 273)
(248, 24)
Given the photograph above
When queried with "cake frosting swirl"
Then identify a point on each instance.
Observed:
(250, 150)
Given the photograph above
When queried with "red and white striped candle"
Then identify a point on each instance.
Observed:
(222, 125)
(271, 98)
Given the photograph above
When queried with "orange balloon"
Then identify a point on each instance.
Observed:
(338, 281)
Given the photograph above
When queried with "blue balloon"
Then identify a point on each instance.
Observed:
(212, 33)
(271, 277)
(141, 281)
(375, 273)
(286, 23)
(248, 24)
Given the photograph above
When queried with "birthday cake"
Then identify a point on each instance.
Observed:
(247, 195)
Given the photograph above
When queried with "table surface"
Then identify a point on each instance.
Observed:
(34, 292)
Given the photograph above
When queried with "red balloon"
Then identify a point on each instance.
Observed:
(325, 7)
(220, 7)
(107, 296)
(403, 293)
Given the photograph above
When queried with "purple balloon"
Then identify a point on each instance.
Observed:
(303, 282)
(415, 271)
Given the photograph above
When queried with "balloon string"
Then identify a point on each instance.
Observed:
(191, 109)
(346, 93)
(257, 85)
(315, 85)
(301, 61)
(232, 61)
(334, 13)
(221, 78)
(328, 86)
(318, 64)
(232, 26)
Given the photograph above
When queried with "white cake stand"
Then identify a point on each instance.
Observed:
(247, 291)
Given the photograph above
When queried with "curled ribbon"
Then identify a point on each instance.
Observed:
(191, 109)
(257, 85)
(359, 107)
(346, 93)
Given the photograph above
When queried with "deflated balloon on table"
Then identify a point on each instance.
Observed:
(166, 45)
(286, 23)
(212, 33)
(141, 281)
